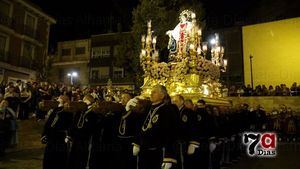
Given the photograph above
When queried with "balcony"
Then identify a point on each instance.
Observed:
(100, 61)
(114, 80)
(6, 20)
(26, 62)
(20, 28)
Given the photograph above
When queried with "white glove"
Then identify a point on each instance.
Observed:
(131, 103)
(212, 147)
(68, 139)
(166, 165)
(191, 149)
(135, 150)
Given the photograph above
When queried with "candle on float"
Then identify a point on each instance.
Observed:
(143, 52)
(199, 50)
(204, 47)
(199, 32)
(217, 37)
(218, 49)
(222, 50)
(149, 23)
(153, 56)
(192, 46)
(225, 62)
(143, 38)
(193, 15)
(154, 40)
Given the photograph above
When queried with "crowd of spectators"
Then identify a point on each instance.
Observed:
(286, 122)
(24, 98)
(263, 90)
(20, 101)
(282, 119)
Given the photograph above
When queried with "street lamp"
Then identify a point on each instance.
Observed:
(251, 71)
(72, 75)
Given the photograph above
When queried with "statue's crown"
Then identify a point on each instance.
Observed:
(188, 14)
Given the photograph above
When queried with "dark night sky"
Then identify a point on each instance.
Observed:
(76, 19)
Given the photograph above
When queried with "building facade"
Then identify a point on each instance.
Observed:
(24, 38)
(101, 64)
(71, 57)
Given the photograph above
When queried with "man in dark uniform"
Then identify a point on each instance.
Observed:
(244, 113)
(199, 159)
(225, 136)
(261, 118)
(158, 135)
(187, 139)
(129, 124)
(215, 147)
(55, 136)
(106, 148)
(188, 103)
(82, 131)
(237, 129)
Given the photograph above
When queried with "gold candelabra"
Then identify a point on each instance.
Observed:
(217, 53)
(149, 45)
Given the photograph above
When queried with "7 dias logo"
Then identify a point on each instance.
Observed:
(260, 144)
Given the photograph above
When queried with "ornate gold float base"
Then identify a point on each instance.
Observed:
(190, 87)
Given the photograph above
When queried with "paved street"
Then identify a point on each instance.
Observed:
(29, 152)
(288, 158)
(25, 159)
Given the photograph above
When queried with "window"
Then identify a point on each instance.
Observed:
(99, 73)
(104, 72)
(118, 72)
(28, 50)
(5, 13)
(101, 52)
(80, 50)
(5, 8)
(66, 52)
(3, 42)
(30, 24)
(95, 74)
(30, 21)
(116, 50)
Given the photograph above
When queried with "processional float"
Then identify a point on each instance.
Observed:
(188, 71)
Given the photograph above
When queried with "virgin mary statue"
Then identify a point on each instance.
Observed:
(179, 36)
